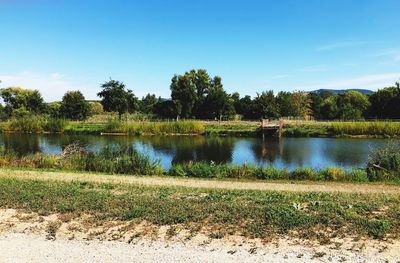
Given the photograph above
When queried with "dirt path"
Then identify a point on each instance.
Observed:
(200, 183)
(33, 248)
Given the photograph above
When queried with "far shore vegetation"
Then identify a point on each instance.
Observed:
(199, 104)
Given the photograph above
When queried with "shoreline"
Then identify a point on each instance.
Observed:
(291, 129)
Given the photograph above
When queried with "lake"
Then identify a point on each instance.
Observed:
(287, 152)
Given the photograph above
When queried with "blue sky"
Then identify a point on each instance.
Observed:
(55, 46)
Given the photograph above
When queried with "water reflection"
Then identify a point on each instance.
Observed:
(288, 152)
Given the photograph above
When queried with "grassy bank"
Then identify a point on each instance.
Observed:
(262, 214)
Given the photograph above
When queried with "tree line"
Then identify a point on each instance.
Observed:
(197, 95)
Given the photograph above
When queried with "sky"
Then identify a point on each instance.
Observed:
(254, 45)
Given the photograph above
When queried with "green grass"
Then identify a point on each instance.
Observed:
(154, 128)
(206, 170)
(373, 128)
(264, 214)
(134, 126)
(34, 124)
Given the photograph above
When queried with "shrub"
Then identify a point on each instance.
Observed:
(377, 228)
(303, 174)
(55, 125)
(384, 163)
(333, 174)
(271, 173)
(28, 124)
(357, 175)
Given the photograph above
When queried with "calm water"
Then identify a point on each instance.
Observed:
(289, 152)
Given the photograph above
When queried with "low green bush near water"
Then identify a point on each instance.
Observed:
(384, 163)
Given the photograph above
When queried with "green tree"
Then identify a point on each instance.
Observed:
(165, 109)
(317, 102)
(218, 103)
(147, 103)
(95, 108)
(115, 98)
(22, 100)
(245, 107)
(53, 109)
(265, 105)
(351, 105)
(385, 103)
(294, 104)
(74, 106)
(183, 94)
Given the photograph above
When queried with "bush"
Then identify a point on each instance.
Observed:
(55, 125)
(357, 175)
(384, 163)
(333, 174)
(28, 124)
(303, 174)
(377, 228)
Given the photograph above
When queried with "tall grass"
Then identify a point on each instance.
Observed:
(378, 128)
(35, 124)
(206, 170)
(154, 128)
(110, 159)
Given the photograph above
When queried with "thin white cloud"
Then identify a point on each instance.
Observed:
(281, 76)
(376, 81)
(319, 68)
(342, 44)
(52, 86)
(392, 54)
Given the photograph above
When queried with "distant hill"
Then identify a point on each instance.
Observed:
(341, 91)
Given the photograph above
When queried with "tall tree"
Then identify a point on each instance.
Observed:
(74, 106)
(218, 103)
(351, 105)
(183, 94)
(244, 107)
(22, 100)
(147, 103)
(265, 105)
(385, 103)
(116, 98)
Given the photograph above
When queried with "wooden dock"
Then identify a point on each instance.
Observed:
(272, 126)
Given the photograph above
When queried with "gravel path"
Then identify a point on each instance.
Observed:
(23, 248)
(203, 183)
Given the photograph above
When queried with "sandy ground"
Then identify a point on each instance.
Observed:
(203, 183)
(28, 237)
(30, 248)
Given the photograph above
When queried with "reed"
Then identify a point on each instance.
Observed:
(34, 124)
(154, 128)
(372, 128)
